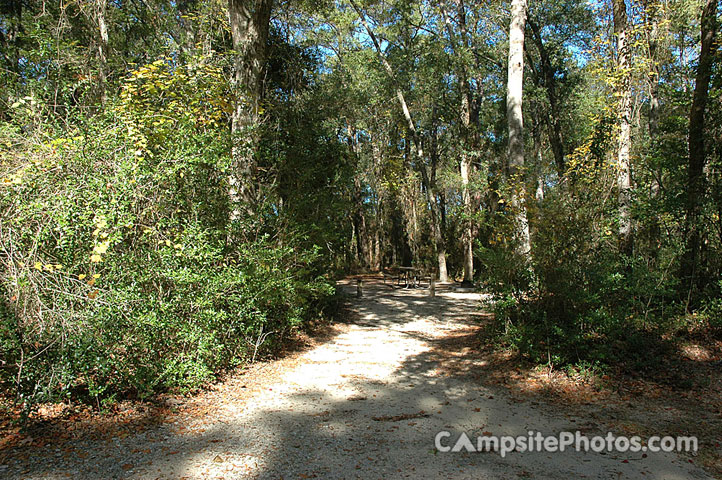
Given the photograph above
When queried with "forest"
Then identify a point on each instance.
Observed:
(183, 182)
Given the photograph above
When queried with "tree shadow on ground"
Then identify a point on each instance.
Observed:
(368, 427)
(60, 427)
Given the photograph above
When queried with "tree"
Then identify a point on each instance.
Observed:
(624, 112)
(697, 152)
(249, 22)
(97, 18)
(652, 11)
(515, 120)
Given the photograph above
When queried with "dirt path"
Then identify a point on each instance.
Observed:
(365, 404)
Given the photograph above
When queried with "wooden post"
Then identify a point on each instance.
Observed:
(432, 285)
(359, 288)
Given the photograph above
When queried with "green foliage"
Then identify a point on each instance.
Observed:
(157, 97)
(118, 276)
(711, 312)
(123, 274)
(581, 301)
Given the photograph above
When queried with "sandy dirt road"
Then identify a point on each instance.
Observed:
(367, 404)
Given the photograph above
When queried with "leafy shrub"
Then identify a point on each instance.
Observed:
(580, 301)
(118, 274)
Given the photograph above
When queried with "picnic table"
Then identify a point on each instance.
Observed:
(410, 276)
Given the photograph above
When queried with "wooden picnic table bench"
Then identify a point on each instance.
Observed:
(410, 276)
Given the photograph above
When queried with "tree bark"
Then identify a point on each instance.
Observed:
(436, 200)
(697, 153)
(652, 12)
(516, 124)
(101, 8)
(96, 14)
(652, 17)
(539, 194)
(249, 20)
(624, 182)
(467, 232)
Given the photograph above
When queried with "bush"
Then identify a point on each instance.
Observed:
(118, 274)
(580, 300)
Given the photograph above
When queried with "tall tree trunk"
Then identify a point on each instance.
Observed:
(624, 181)
(697, 153)
(352, 253)
(438, 235)
(376, 258)
(101, 8)
(249, 20)
(361, 230)
(467, 232)
(96, 14)
(434, 199)
(516, 124)
(380, 201)
(538, 167)
(652, 10)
